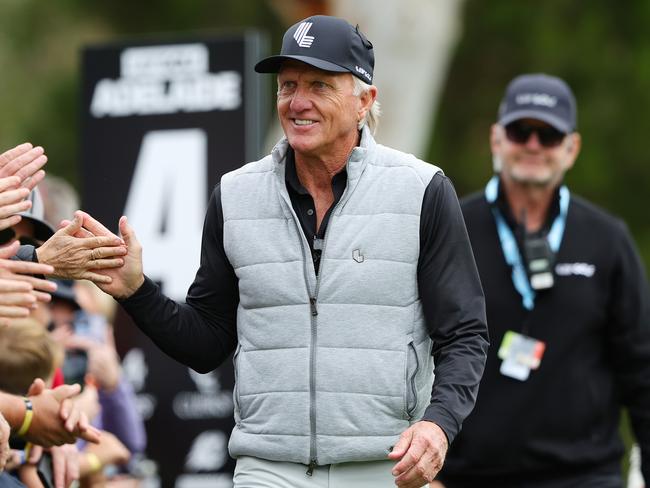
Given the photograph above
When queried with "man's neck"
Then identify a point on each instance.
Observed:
(532, 200)
(316, 171)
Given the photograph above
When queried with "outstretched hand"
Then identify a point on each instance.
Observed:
(421, 452)
(78, 254)
(5, 450)
(19, 290)
(57, 420)
(25, 162)
(12, 201)
(120, 282)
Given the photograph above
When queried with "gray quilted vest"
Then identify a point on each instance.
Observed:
(332, 368)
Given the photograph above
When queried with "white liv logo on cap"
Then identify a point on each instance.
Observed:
(301, 36)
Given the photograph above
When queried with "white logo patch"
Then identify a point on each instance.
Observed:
(208, 452)
(363, 72)
(536, 99)
(301, 36)
(577, 269)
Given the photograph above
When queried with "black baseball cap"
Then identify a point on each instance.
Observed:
(542, 97)
(328, 43)
(36, 215)
(65, 291)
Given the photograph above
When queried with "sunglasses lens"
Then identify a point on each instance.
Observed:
(549, 136)
(519, 133)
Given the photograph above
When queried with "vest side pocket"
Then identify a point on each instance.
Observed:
(412, 367)
(235, 390)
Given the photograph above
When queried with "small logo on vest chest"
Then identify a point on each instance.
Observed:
(357, 256)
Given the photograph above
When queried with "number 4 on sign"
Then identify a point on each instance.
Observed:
(166, 205)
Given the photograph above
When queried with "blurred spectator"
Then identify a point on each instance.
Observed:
(61, 199)
(19, 290)
(27, 352)
(32, 229)
(119, 412)
(20, 172)
(568, 310)
(90, 335)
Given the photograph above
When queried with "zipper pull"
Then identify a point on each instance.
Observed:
(311, 467)
(312, 305)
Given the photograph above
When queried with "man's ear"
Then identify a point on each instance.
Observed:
(570, 145)
(496, 136)
(574, 144)
(367, 98)
(572, 148)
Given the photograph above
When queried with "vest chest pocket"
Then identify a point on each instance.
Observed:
(412, 367)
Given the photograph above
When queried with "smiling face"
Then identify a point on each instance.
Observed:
(530, 162)
(318, 110)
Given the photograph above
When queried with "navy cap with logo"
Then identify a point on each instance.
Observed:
(328, 43)
(542, 97)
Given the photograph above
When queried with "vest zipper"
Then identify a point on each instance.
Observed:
(312, 383)
(313, 302)
(313, 307)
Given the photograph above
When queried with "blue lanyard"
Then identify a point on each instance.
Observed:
(509, 243)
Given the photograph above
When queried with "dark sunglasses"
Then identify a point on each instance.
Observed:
(519, 132)
(8, 235)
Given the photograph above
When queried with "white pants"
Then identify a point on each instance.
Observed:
(253, 472)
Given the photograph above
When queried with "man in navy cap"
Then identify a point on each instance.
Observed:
(568, 311)
(338, 271)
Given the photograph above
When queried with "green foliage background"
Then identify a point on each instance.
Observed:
(601, 48)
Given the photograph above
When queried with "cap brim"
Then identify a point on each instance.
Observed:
(272, 64)
(550, 119)
(42, 230)
(64, 291)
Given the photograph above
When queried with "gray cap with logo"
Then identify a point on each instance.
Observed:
(542, 97)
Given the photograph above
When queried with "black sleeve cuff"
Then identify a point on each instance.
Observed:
(443, 419)
(146, 290)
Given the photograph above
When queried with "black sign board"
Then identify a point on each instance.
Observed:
(162, 121)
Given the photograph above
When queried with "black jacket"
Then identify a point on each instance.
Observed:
(564, 419)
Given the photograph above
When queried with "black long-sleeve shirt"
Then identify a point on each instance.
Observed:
(562, 422)
(202, 332)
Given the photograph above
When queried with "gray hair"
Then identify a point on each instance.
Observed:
(372, 116)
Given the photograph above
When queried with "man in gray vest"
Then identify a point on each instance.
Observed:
(338, 271)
